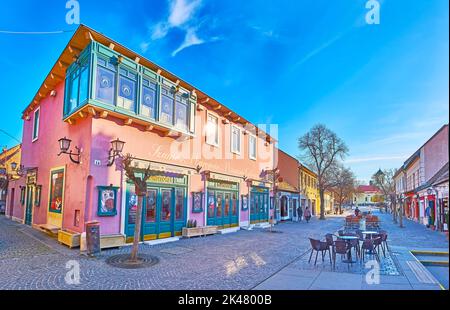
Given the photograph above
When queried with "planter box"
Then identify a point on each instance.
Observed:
(199, 231)
(69, 238)
(112, 241)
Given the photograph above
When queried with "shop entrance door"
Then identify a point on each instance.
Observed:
(259, 206)
(222, 209)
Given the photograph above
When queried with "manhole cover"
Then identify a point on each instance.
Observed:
(123, 261)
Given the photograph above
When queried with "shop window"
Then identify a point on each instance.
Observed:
(179, 204)
(235, 140)
(126, 97)
(56, 191)
(148, 101)
(212, 130)
(219, 202)
(36, 121)
(252, 147)
(226, 211)
(211, 204)
(166, 197)
(234, 207)
(132, 207)
(106, 81)
(167, 102)
(150, 215)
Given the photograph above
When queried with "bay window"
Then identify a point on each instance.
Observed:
(106, 81)
(77, 85)
(181, 112)
(148, 101)
(167, 102)
(126, 97)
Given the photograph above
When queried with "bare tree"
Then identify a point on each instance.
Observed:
(343, 184)
(384, 180)
(322, 149)
(140, 186)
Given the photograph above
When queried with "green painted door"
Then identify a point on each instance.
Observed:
(149, 228)
(165, 211)
(222, 208)
(259, 205)
(29, 206)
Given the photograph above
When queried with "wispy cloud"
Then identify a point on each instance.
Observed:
(191, 39)
(268, 33)
(374, 158)
(318, 50)
(182, 15)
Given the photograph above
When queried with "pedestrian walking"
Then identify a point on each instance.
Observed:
(300, 213)
(307, 214)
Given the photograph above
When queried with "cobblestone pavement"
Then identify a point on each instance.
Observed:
(242, 260)
(234, 261)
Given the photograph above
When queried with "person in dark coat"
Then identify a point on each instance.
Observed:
(300, 213)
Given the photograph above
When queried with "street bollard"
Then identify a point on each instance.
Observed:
(93, 237)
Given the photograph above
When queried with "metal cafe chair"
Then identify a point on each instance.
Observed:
(368, 246)
(341, 247)
(319, 246)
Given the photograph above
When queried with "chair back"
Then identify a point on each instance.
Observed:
(315, 244)
(329, 239)
(340, 247)
(367, 244)
(376, 241)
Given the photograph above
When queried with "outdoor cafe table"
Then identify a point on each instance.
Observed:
(370, 234)
(349, 253)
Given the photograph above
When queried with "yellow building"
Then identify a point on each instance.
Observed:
(309, 192)
(7, 157)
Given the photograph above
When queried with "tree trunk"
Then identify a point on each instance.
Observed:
(394, 211)
(137, 229)
(400, 215)
(322, 204)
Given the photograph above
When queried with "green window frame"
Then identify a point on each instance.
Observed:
(22, 195)
(36, 121)
(38, 195)
(77, 85)
(107, 201)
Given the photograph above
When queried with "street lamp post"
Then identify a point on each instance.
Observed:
(402, 201)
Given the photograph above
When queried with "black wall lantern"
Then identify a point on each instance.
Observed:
(115, 151)
(64, 146)
(19, 170)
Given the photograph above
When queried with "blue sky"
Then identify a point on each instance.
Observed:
(382, 88)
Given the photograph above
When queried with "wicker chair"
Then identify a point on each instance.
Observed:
(319, 246)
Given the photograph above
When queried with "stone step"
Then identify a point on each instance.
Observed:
(228, 230)
(162, 241)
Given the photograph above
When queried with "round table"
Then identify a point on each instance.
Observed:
(349, 254)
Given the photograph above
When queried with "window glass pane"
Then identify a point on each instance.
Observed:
(84, 84)
(36, 124)
(166, 197)
(226, 211)
(253, 204)
(179, 204)
(148, 102)
(167, 110)
(219, 202)
(105, 85)
(252, 147)
(150, 216)
(181, 114)
(73, 98)
(212, 134)
(132, 208)
(127, 91)
(211, 204)
(234, 204)
(236, 139)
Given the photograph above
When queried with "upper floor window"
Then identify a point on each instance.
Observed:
(181, 112)
(106, 81)
(235, 140)
(252, 147)
(148, 105)
(167, 103)
(212, 130)
(77, 86)
(36, 119)
(126, 97)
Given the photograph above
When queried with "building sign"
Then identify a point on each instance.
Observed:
(56, 191)
(260, 190)
(32, 177)
(168, 178)
(223, 185)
